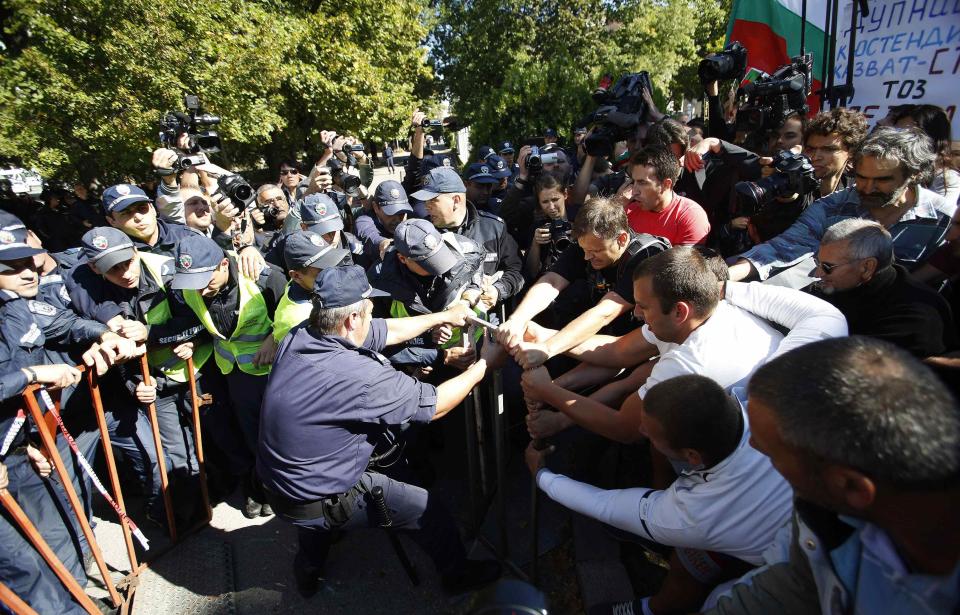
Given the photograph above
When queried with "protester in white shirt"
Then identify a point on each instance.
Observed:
(692, 331)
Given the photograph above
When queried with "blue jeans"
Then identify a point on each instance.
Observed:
(174, 410)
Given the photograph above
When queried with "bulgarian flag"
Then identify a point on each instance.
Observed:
(770, 30)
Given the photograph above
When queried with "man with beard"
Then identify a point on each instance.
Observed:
(877, 297)
(890, 168)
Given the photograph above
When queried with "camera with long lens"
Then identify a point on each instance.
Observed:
(622, 108)
(195, 123)
(560, 234)
(731, 63)
(793, 174)
(770, 100)
(348, 182)
(236, 189)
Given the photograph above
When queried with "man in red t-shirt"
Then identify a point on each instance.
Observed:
(654, 207)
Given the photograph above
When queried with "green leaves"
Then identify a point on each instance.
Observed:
(83, 84)
(516, 67)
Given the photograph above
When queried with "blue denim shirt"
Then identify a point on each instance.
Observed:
(866, 575)
(915, 236)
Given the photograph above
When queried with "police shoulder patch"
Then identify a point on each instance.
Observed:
(39, 307)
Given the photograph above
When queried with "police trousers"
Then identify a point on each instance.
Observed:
(413, 511)
(21, 567)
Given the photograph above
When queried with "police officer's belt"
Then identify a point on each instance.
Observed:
(336, 509)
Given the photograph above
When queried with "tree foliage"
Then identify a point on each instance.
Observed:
(515, 67)
(83, 83)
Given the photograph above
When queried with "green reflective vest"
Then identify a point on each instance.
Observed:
(399, 310)
(289, 314)
(253, 325)
(162, 357)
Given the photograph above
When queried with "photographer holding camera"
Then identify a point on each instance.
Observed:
(554, 234)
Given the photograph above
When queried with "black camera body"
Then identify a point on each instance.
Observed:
(771, 100)
(731, 63)
(428, 123)
(188, 162)
(560, 234)
(794, 175)
(348, 182)
(195, 123)
(622, 108)
(237, 189)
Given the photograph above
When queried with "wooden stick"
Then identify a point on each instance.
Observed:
(161, 461)
(201, 461)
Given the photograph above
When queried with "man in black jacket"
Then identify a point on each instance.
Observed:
(879, 298)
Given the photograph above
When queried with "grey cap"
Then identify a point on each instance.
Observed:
(441, 180)
(392, 198)
(308, 249)
(422, 243)
(104, 246)
(320, 214)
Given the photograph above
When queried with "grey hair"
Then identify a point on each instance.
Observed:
(266, 187)
(866, 404)
(328, 321)
(909, 146)
(867, 239)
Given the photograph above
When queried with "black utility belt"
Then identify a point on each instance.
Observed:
(335, 508)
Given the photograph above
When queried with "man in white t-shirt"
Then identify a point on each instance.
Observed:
(692, 331)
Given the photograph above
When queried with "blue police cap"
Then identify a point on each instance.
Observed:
(439, 181)
(433, 162)
(13, 246)
(320, 214)
(550, 133)
(196, 258)
(340, 286)
(10, 222)
(480, 172)
(498, 167)
(421, 242)
(485, 151)
(308, 249)
(119, 197)
(505, 147)
(104, 246)
(392, 198)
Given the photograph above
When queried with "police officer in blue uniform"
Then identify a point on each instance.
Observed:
(375, 228)
(327, 402)
(319, 214)
(34, 337)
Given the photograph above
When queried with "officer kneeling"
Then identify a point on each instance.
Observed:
(330, 393)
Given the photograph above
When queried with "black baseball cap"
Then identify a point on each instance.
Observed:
(308, 249)
(104, 246)
(422, 243)
(342, 286)
(196, 258)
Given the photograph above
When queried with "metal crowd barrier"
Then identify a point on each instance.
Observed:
(47, 423)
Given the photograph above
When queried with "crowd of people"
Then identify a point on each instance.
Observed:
(777, 371)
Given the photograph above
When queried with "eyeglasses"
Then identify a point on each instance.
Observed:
(289, 172)
(829, 268)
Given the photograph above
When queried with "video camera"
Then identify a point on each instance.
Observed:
(793, 175)
(731, 63)
(195, 123)
(622, 108)
(347, 181)
(772, 99)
